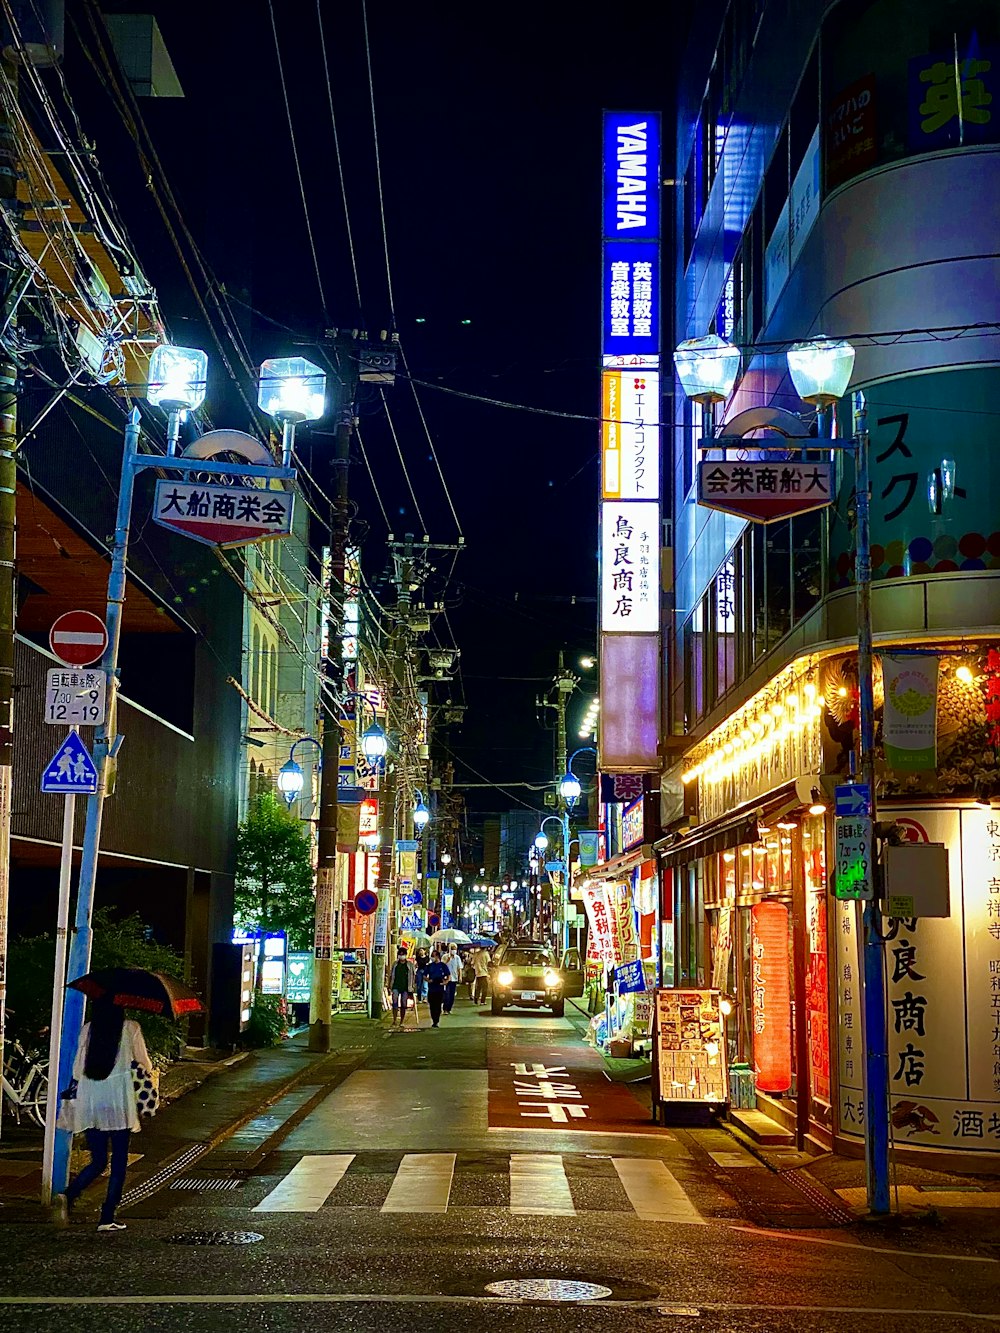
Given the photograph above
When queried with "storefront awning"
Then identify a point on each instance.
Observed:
(724, 834)
(620, 864)
(707, 842)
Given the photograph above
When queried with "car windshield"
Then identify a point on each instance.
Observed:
(526, 958)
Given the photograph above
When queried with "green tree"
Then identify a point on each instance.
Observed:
(274, 875)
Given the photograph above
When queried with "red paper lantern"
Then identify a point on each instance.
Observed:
(772, 1014)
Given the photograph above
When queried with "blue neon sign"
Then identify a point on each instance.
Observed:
(632, 175)
(631, 297)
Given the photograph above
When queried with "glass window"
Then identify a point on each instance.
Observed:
(807, 563)
(779, 581)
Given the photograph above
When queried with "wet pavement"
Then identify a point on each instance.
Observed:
(382, 1188)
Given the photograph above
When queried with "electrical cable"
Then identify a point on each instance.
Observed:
(402, 460)
(378, 163)
(298, 164)
(336, 149)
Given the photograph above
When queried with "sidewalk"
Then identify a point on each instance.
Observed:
(207, 1102)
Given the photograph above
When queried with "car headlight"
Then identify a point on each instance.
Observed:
(505, 978)
(552, 979)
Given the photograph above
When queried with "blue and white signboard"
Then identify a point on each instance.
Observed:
(853, 799)
(629, 977)
(632, 175)
(71, 770)
(631, 297)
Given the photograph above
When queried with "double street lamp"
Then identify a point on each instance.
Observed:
(820, 370)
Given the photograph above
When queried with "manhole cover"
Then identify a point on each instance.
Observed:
(548, 1289)
(215, 1238)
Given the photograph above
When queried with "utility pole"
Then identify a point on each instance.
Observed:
(12, 285)
(402, 554)
(326, 932)
(564, 682)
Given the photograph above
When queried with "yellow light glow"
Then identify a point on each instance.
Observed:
(964, 675)
(777, 709)
(729, 856)
(809, 690)
(725, 1006)
(842, 691)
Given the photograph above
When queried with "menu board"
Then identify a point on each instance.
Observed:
(690, 1046)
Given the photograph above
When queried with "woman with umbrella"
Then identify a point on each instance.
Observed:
(111, 1051)
(104, 1107)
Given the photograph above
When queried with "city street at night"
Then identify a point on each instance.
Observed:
(499, 666)
(397, 1198)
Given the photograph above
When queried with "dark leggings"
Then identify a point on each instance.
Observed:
(435, 999)
(97, 1146)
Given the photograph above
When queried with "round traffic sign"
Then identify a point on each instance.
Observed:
(366, 902)
(78, 638)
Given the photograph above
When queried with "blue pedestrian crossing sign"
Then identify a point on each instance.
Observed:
(71, 771)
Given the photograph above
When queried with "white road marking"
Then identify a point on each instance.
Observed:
(308, 1185)
(422, 1184)
(654, 1193)
(538, 1186)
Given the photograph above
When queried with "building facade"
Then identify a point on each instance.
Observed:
(821, 152)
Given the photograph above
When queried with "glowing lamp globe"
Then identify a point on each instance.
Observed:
(290, 780)
(569, 788)
(291, 389)
(374, 744)
(707, 368)
(541, 841)
(821, 369)
(178, 378)
(421, 816)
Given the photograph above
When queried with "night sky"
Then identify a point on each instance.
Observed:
(489, 135)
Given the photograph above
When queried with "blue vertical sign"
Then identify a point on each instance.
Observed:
(632, 175)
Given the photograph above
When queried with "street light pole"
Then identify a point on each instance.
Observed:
(875, 1019)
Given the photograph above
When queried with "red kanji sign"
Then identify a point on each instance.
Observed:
(765, 491)
(78, 638)
(223, 515)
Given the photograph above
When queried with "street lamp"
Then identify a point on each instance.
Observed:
(445, 858)
(820, 371)
(177, 382)
(374, 741)
(291, 389)
(707, 368)
(421, 815)
(569, 784)
(290, 776)
(541, 841)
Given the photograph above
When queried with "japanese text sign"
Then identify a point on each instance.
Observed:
(630, 445)
(852, 876)
(630, 566)
(631, 297)
(629, 977)
(765, 491)
(223, 515)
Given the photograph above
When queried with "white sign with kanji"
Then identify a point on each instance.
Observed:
(765, 491)
(630, 566)
(223, 515)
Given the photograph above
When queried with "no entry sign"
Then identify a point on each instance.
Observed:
(78, 638)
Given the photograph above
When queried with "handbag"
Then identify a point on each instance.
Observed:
(66, 1117)
(146, 1083)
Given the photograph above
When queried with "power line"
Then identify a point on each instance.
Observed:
(336, 149)
(378, 163)
(298, 165)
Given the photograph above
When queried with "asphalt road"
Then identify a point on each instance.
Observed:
(396, 1201)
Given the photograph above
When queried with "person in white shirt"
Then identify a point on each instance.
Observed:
(454, 977)
(104, 1106)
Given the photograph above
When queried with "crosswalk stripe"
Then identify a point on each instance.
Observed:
(422, 1184)
(654, 1193)
(538, 1186)
(308, 1185)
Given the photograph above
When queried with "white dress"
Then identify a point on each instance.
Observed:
(107, 1103)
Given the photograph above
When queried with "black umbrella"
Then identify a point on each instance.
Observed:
(136, 988)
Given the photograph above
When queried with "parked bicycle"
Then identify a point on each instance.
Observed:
(25, 1082)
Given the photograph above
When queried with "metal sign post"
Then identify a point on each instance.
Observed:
(198, 457)
(58, 987)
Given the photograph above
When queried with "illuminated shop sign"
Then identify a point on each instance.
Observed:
(630, 436)
(630, 566)
(631, 297)
(772, 1023)
(631, 174)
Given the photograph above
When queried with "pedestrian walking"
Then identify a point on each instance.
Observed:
(404, 984)
(437, 982)
(422, 959)
(102, 1105)
(454, 964)
(468, 974)
(481, 967)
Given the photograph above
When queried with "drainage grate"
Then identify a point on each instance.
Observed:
(817, 1197)
(215, 1238)
(548, 1289)
(205, 1184)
